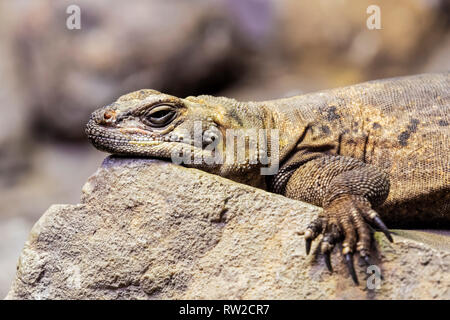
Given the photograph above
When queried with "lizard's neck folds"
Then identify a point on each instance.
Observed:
(287, 120)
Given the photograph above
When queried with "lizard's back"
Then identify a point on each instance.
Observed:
(401, 125)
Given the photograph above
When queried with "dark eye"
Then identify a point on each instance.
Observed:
(160, 116)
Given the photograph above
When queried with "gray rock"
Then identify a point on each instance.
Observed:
(147, 229)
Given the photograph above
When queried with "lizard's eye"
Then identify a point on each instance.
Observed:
(160, 116)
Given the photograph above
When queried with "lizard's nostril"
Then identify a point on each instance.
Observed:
(108, 115)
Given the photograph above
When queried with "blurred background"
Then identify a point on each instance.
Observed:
(52, 78)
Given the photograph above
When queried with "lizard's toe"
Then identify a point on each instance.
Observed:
(351, 267)
(312, 231)
(329, 240)
(346, 220)
(364, 235)
(349, 243)
(371, 216)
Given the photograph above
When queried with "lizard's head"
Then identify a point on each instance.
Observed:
(152, 124)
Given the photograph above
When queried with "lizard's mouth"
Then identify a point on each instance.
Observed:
(138, 142)
(119, 141)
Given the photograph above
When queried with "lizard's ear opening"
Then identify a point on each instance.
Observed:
(160, 115)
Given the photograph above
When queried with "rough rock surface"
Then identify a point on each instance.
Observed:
(147, 229)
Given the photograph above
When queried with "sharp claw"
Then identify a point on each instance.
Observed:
(328, 261)
(351, 268)
(308, 245)
(383, 228)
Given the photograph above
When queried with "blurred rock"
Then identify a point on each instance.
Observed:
(323, 44)
(331, 38)
(14, 142)
(142, 233)
(440, 59)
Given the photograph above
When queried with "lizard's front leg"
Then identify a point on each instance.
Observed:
(347, 189)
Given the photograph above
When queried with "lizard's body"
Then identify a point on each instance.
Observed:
(382, 144)
(401, 126)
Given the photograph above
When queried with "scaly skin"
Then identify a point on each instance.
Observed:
(372, 150)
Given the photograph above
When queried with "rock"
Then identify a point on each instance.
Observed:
(147, 229)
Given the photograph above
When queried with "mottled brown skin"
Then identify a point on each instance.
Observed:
(380, 147)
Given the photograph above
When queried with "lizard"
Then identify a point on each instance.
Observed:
(368, 153)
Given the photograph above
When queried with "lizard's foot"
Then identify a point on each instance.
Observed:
(345, 220)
